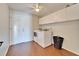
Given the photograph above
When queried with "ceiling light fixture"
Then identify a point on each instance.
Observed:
(37, 9)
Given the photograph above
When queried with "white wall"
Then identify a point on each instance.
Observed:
(35, 22)
(23, 21)
(70, 32)
(4, 28)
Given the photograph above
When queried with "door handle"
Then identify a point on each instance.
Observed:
(23, 30)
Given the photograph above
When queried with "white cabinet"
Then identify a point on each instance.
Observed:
(43, 38)
(72, 13)
(55, 17)
(59, 16)
(66, 14)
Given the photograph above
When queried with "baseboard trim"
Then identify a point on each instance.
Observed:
(72, 51)
(19, 43)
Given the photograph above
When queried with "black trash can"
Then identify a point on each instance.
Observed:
(58, 41)
(55, 38)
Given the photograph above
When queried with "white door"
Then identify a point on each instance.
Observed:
(21, 28)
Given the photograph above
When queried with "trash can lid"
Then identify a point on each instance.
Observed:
(61, 38)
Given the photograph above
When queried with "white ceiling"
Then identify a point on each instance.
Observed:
(46, 9)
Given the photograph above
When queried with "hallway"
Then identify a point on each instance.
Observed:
(33, 49)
